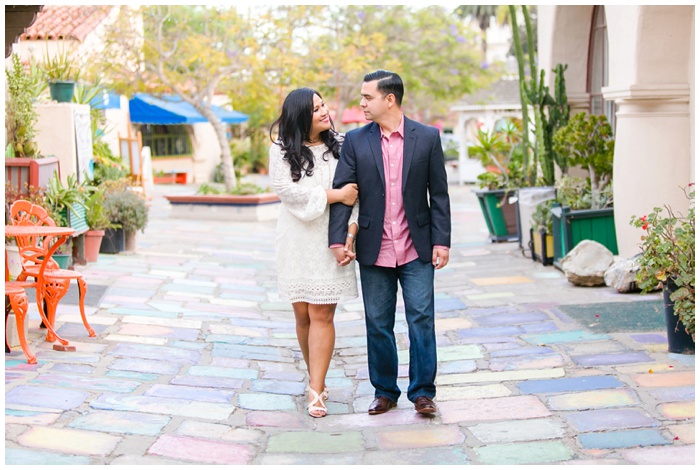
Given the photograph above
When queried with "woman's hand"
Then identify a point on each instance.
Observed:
(349, 194)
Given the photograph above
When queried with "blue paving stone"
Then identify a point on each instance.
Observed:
(228, 339)
(564, 337)
(279, 387)
(687, 360)
(485, 332)
(224, 350)
(574, 384)
(191, 289)
(208, 382)
(37, 457)
(156, 352)
(446, 305)
(77, 330)
(611, 359)
(117, 292)
(121, 422)
(229, 372)
(540, 327)
(521, 352)
(513, 318)
(456, 367)
(619, 439)
(188, 345)
(145, 366)
(601, 420)
(99, 384)
(190, 393)
(142, 313)
(75, 357)
(671, 394)
(265, 401)
(72, 369)
(132, 375)
(649, 338)
(44, 397)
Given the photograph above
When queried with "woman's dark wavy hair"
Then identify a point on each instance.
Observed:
(294, 126)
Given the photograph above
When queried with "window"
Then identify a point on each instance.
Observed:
(598, 67)
(167, 141)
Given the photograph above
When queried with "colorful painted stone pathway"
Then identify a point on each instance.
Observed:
(196, 362)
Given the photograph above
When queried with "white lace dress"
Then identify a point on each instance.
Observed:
(306, 268)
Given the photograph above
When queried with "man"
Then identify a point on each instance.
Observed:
(404, 235)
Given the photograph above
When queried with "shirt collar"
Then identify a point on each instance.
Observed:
(398, 129)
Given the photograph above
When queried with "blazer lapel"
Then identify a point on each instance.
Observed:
(409, 145)
(375, 144)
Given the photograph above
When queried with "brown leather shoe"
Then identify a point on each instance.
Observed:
(425, 405)
(381, 405)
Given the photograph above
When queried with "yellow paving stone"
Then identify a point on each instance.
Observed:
(449, 324)
(684, 432)
(436, 437)
(679, 410)
(485, 376)
(69, 441)
(136, 339)
(496, 281)
(493, 295)
(592, 399)
(666, 379)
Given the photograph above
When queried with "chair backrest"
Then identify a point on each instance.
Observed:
(31, 248)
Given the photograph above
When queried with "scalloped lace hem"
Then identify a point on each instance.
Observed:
(317, 294)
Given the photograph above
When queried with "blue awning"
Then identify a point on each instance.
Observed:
(106, 100)
(147, 109)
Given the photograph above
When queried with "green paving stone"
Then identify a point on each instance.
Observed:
(522, 454)
(37, 457)
(121, 422)
(612, 317)
(316, 442)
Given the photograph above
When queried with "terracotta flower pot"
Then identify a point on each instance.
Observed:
(93, 241)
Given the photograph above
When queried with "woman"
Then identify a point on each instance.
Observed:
(302, 166)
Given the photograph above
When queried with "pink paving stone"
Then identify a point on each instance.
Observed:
(276, 419)
(69, 441)
(680, 410)
(665, 379)
(661, 455)
(437, 437)
(395, 417)
(492, 409)
(684, 432)
(202, 450)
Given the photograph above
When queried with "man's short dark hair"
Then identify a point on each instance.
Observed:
(388, 82)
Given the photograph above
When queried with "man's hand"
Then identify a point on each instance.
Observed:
(342, 255)
(440, 257)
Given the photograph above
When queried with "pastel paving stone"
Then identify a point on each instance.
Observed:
(87, 383)
(513, 318)
(593, 399)
(609, 419)
(265, 401)
(69, 441)
(156, 352)
(280, 387)
(563, 337)
(515, 431)
(414, 438)
(611, 359)
(661, 455)
(277, 419)
(620, 439)
(540, 361)
(422, 456)
(146, 366)
(665, 379)
(190, 393)
(466, 393)
(493, 409)
(571, 384)
(523, 453)
(316, 442)
(164, 406)
(121, 422)
(496, 281)
(202, 451)
(14, 456)
(44, 398)
(31, 418)
(208, 382)
(226, 372)
(487, 376)
(493, 331)
(668, 394)
(446, 305)
(678, 411)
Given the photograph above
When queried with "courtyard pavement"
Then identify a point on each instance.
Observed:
(196, 362)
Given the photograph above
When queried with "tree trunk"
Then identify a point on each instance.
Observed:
(226, 159)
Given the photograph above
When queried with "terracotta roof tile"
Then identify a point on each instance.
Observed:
(66, 22)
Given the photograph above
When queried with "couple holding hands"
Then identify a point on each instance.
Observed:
(377, 195)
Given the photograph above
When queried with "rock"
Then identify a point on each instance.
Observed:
(622, 275)
(586, 264)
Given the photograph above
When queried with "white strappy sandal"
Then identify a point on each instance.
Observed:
(316, 411)
(326, 393)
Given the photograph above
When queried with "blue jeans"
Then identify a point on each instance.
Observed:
(379, 288)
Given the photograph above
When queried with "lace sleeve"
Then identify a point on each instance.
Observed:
(354, 214)
(305, 203)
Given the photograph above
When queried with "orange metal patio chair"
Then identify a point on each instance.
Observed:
(56, 281)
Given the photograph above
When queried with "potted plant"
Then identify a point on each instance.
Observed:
(583, 210)
(502, 158)
(97, 221)
(128, 209)
(541, 238)
(668, 258)
(62, 72)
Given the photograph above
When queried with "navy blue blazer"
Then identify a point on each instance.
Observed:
(425, 196)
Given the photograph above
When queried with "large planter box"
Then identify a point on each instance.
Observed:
(571, 227)
(36, 172)
(175, 177)
(247, 208)
(500, 214)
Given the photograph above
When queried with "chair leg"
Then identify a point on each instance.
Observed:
(82, 289)
(20, 305)
(8, 308)
(54, 290)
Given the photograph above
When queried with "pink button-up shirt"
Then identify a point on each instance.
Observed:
(397, 247)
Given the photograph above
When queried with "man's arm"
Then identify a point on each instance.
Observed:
(340, 213)
(441, 224)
